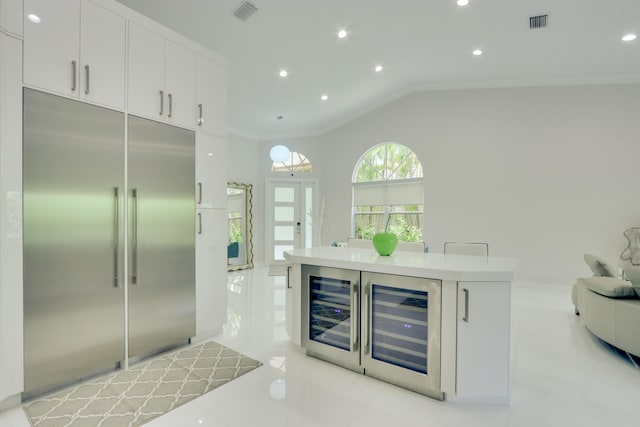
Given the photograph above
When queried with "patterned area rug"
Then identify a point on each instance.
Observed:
(144, 392)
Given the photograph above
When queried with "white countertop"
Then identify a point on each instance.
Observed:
(430, 265)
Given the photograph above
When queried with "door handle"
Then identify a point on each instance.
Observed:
(466, 305)
(116, 237)
(365, 317)
(170, 96)
(354, 318)
(199, 193)
(200, 118)
(288, 277)
(86, 76)
(199, 223)
(161, 102)
(134, 243)
(73, 75)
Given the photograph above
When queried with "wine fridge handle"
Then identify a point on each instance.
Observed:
(365, 318)
(466, 305)
(354, 318)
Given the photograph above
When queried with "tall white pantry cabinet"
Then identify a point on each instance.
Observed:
(79, 51)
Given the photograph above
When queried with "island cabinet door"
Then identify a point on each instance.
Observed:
(331, 315)
(401, 331)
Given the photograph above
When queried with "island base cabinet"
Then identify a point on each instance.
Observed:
(483, 352)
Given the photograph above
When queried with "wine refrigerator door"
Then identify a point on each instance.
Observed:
(401, 331)
(331, 315)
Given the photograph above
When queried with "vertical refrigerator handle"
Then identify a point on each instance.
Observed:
(116, 237)
(134, 233)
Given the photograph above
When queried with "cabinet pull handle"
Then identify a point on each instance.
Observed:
(365, 318)
(466, 305)
(200, 118)
(116, 237)
(199, 223)
(170, 96)
(161, 102)
(73, 75)
(288, 277)
(86, 75)
(199, 193)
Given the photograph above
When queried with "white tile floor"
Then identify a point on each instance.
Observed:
(561, 375)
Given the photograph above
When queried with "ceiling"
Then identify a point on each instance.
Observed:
(422, 44)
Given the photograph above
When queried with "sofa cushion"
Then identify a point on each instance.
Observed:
(632, 273)
(599, 266)
(609, 287)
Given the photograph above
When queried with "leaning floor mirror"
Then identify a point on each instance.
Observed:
(240, 249)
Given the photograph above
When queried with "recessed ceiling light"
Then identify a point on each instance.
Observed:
(462, 2)
(629, 37)
(283, 73)
(378, 68)
(342, 34)
(324, 97)
(34, 18)
(477, 52)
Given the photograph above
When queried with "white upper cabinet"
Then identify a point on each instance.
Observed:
(76, 49)
(11, 16)
(211, 97)
(211, 172)
(161, 78)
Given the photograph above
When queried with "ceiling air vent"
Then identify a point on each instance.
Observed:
(244, 11)
(539, 21)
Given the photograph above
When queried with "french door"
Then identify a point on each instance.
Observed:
(291, 217)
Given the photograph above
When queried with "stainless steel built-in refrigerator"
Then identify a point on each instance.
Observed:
(74, 239)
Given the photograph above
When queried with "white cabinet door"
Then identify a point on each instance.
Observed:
(146, 72)
(102, 56)
(51, 47)
(180, 74)
(211, 271)
(211, 96)
(11, 16)
(484, 317)
(211, 172)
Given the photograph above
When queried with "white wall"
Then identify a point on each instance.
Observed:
(244, 166)
(542, 174)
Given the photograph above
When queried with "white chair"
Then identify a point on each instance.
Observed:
(466, 248)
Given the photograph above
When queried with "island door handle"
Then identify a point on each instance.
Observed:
(365, 317)
(466, 305)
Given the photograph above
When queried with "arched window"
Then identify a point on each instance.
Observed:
(297, 162)
(387, 183)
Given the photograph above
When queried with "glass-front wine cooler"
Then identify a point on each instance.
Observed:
(382, 325)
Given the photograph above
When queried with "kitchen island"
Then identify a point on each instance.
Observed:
(464, 302)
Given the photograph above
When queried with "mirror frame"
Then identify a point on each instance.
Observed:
(248, 224)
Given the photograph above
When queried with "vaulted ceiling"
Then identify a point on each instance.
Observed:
(421, 44)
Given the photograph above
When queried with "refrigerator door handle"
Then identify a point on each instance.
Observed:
(134, 243)
(116, 237)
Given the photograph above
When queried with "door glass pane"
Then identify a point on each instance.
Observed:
(283, 213)
(284, 194)
(278, 251)
(330, 311)
(283, 232)
(399, 327)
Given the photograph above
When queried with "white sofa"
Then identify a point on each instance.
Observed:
(610, 308)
